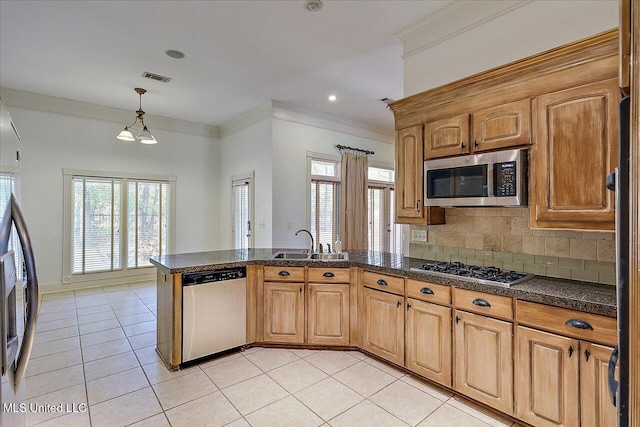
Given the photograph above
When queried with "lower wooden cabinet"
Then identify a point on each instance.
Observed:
(428, 340)
(284, 312)
(328, 314)
(484, 360)
(383, 326)
(562, 381)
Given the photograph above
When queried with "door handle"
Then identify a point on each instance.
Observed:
(611, 375)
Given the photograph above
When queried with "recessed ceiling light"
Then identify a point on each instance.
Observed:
(313, 5)
(332, 98)
(176, 54)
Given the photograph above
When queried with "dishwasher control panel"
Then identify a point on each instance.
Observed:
(213, 276)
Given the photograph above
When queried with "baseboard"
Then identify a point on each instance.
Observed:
(49, 287)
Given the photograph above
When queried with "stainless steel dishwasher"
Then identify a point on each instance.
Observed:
(214, 312)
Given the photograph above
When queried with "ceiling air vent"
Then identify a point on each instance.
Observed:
(157, 77)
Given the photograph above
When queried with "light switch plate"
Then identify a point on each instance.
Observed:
(419, 236)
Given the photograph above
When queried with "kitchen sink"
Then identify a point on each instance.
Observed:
(342, 256)
(291, 255)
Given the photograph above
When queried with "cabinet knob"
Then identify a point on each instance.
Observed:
(284, 273)
(475, 143)
(570, 350)
(408, 306)
(328, 274)
(457, 319)
(382, 282)
(462, 145)
(587, 353)
(301, 289)
(398, 304)
(578, 323)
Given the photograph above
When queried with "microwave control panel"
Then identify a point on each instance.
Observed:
(504, 179)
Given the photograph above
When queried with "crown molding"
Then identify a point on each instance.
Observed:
(451, 20)
(296, 114)
(246, 119)
(52, 104)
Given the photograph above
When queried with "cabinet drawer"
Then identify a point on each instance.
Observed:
(430, 292)
(488, 304)
(284, 274)
(383, 282)
(587, 326)
(328, 275)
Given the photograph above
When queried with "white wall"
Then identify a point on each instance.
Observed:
(291, 141)
(527, 30)
(51, 142)
(247, 150)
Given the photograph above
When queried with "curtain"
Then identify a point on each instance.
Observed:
(353, 201)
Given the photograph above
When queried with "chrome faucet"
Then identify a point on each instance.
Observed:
(310, 235)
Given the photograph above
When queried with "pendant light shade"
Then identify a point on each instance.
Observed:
(144, 135)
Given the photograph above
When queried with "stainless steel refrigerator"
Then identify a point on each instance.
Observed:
(619, 182)
(18, 281)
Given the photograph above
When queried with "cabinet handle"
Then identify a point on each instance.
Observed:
(426, 291)
(570, 350)
(462, 145)
(398, 304)
(475, 143)
(577, 323)
(382, 282)
(301, 289)
(587, 353)
(418, 205)
(283, 273)
(481, 302)
(408, 306)
(457, 319)
(309, 290)
(328, 274)
(613, 384)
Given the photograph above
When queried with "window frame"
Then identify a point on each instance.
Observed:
(249, 178)
(388, 215)
(68, 277)
(328, 158)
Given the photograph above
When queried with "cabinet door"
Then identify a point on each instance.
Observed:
(409, 203)
(503, 126)
(328, 314)
(383, 333)
(447, 137)
(577, 147)
(284, 312)
(547, 380)
(597, 410)
(428, 340)
(484, 360)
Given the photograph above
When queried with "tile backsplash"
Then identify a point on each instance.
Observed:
(501, 237)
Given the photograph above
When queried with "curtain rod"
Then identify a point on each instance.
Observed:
(344, 147)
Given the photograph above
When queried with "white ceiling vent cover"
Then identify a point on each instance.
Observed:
(157, 77)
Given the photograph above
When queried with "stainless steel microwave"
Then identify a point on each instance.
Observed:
(488, 179)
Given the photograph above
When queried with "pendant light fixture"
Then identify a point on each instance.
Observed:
(144, 135)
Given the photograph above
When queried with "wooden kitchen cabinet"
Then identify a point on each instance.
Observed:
(409, 182)
(503, 126)
(447, 137)
(284, 312)
(428, 340)
(547, 392)
(383, 325)
(596, 408)
(328, 314)
(483, 367)
(576, 148)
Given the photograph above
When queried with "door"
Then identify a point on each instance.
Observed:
(428, 340)
(547, 380)
(503, 126)
(409, 182)
(284, 312)
(447, 137)
(328, 314)
(383, 332)
(576, 133)
(242, 212)
(483, 360)
(597, 410)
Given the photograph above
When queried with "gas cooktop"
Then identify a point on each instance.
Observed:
(474, 273)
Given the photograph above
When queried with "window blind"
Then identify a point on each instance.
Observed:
(324, 211)
(240, 226)
(147, 208)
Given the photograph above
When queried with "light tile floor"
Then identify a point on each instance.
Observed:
(97, 347)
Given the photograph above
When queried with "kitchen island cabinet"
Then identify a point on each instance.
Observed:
(383, 327)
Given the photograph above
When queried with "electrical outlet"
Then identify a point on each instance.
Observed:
(419, 236)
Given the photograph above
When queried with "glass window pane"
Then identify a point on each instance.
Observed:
(240, 215)
(381, 174)
(323, 168)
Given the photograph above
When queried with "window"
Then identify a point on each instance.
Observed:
(384, 234)
(114, 223)
(242, 212)
(325, 198)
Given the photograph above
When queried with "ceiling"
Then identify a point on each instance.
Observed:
(239, 54)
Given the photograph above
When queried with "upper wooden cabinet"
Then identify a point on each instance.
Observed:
(503, 126)
(576, 135)
(410, 207)
(447, 137)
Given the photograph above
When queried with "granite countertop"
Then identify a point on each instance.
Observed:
(571, 294)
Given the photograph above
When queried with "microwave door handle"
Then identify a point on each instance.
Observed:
(31, 297)
(491, 168)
